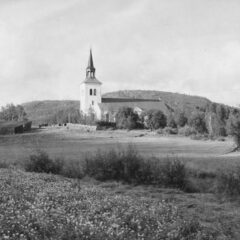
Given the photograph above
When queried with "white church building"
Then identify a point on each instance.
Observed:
(90, 91)
(92, 102)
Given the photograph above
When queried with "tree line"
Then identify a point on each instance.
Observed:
(215, 120)
(13, 113)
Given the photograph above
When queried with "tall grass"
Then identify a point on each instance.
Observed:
(228, 182)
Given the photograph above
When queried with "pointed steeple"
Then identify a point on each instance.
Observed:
(90, 71)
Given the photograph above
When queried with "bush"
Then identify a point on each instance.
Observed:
(174, 173)
(171, 121)
(155, 119)
(187, 131)
(170, 130)
(41, 162)
(121, 165)
(228, 182)
(200, 137)
(129, 166)
(114, 165)
(4, 164)
(197, 121)
(103, 125)
(126, 118)
(181, 119)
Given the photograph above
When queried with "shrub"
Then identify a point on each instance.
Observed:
(228, 182)
(129, 166)
(103, 125)
(155, 119)
(174, 172)
(200, 137)
(114, 165)
(197, 121)
(41, 162)
(187, 131)
(170, 130)
(121, 165)
(160, 131)
(4, 164)
(181, 119)
(171, 121)
(126, 118)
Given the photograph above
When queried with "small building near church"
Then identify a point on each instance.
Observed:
(92, 102)
(14, 127)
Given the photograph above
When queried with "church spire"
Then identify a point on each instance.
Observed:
(90, 71)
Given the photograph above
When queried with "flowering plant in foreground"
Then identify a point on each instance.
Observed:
(42, 206)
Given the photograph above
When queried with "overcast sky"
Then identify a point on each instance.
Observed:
(185, 46)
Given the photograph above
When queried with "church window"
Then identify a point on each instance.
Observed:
(91, 92)
(95, 92)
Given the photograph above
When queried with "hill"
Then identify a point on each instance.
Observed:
(176, 101)
(51, 111)
(45, 111)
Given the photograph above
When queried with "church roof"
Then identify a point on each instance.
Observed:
(114, 106)
(90, 61)
(91, 80)
(90, 71)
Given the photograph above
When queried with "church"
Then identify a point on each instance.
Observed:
(102, 108)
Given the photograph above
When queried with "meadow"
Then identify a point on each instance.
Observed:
(75, 144)
(46, 206)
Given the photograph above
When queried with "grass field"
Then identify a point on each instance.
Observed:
(205, 215)
(74, 144)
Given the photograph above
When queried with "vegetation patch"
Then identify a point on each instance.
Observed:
(41, 162)
(228, 182)
(122, 165)
(40, 206)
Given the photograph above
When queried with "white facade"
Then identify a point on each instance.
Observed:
(90, 92)
(90, 97)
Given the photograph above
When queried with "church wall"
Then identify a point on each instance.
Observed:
(89, 102)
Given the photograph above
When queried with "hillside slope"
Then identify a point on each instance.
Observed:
(174, 100)
(42, 111)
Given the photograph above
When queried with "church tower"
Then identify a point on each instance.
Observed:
(90, 91)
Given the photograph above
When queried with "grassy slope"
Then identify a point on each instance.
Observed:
(40, 111)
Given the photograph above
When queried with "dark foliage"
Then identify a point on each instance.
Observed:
(41, 162)
(181, 119)
(228, 182)
(126, 118)
(197, 121)
(155, 119)
(130, 167)
(171, 121)
(102, 125)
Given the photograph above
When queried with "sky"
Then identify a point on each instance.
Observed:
(184, 46)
